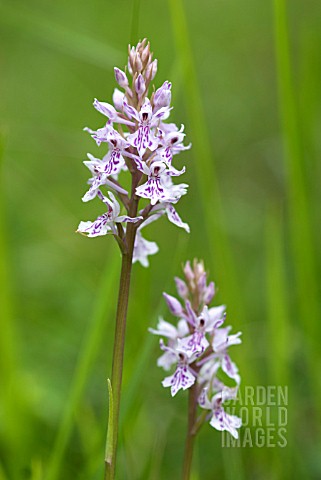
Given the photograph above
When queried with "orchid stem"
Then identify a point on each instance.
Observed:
(190, 435)
(119, 341)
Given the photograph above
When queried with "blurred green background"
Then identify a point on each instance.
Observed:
(246, 83)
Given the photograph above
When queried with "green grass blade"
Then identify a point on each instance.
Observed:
(277, 302)
(205, 167)
(278, 321)
(7, 344)
(12, 401)
(93, 339)
(302, 242)
(279, 332)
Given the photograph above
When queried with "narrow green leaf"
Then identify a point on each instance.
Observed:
(277, 301)
(110, 435)
(301, 237)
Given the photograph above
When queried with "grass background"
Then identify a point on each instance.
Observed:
(246, 83)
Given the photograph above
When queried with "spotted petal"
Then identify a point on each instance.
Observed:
(181, 379)
(224, 421)
(173, 217)
(97, 228)
(143, 139)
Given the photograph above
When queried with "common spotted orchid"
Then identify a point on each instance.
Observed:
(199, 351)
(141, 143)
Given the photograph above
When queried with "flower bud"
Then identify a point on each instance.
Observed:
(181, 287)
(174, 305)
(198, 267)
(154, 69)
(118, 99)
(201, 283)
(121, 78)
(138, 66)
(209, 293)
(151, 70)
(140, 86)
(189, 274)
(129, 67)
(145, 53)
(163, 96)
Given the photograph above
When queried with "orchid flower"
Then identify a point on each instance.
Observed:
(106, 223)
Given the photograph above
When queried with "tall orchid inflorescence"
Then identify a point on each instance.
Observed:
(141, 145)
(197, 348)
(139, 142)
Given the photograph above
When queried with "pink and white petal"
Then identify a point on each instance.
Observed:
(152, 218)
(116, 187)
(230, 369)
(153, 141)
(204, 401)
(153, 190)
(94, 188)
(130, 111)
(194, 344)
(181, 379)
(94, 229)
(168, 127)
(182, 328)
(118, 99)
(234, 339)
(167, 360)
(140, 164)
(125, 218)
(135, 139)
(162, 113)
(90, 194)
(191, 315)
(173, 217)
(173, 172)
(215, 316)
(223, 421)
(166, 154)
(145, 110)
(142, 249)
(220, 341)
(143, 139)
(208, 370)
(164, 329)
(105, 108)
(115, 205)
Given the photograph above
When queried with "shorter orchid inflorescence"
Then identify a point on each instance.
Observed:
(197, 348)
(140, 143)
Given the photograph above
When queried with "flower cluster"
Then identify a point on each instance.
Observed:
(198, 347)
(141, 142)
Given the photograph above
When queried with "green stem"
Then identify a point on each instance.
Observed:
(119, 341)
(190, 435)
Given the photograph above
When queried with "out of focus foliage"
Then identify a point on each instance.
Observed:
(246, 83)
